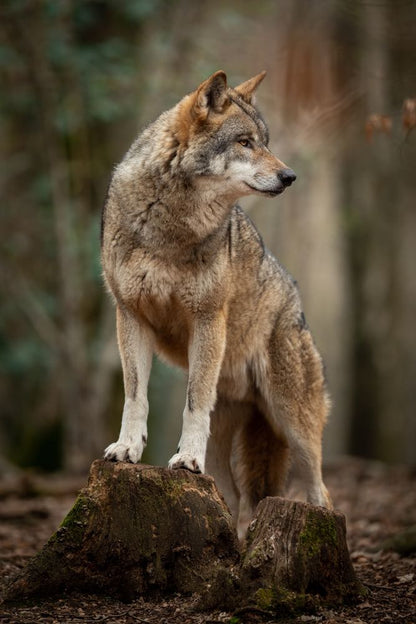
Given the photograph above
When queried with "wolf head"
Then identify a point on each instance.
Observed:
(222, 138)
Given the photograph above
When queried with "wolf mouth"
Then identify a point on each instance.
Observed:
(269, 192)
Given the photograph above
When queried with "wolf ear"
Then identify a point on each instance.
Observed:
(211, 95)
(246, 89)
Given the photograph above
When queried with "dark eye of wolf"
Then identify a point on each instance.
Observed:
(245, 142)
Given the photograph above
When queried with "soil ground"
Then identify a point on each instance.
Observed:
(378, 501)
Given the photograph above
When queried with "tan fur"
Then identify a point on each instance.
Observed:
(193, 282)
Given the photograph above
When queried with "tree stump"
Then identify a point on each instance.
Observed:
(294, 551)
(140, 530)
(135, 530)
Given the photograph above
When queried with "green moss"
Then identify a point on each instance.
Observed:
(251, 555)
(265, 598)
(290, 603)
(283, 602)
(42, 570)
(322, 565)
(77, 514)
(75, 521)
(317, 532)
(175, 488)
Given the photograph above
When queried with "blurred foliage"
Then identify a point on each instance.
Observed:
(69, 74)
(78, 78)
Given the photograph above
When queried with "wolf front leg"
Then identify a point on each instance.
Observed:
(206, 352)
(135, 343)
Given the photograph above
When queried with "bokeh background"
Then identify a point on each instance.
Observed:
(79, 78)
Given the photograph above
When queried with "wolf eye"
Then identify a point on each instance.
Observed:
(245, 142)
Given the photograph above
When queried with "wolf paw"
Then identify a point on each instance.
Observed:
(125, 452)
(186, 461)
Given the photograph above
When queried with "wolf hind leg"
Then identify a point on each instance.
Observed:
(304, 438)
(298, 405)
(307, 465)
(226, 418)
(259, 464)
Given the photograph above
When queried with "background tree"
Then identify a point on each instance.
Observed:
(69, 74)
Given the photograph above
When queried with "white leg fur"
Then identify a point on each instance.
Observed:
(136, 349)
(203, 377)
(193, 442)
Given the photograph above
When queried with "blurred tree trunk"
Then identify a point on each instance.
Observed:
(398, 422)
(78, 440)
(84, 383)
(383, 249)
(83, 377)
(371, 262)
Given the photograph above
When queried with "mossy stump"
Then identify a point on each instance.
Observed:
(135, 530)
(140, 530)
(295, 551)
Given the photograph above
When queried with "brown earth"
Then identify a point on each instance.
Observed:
(378, 501)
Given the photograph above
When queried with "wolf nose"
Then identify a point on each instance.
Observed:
(286, 176)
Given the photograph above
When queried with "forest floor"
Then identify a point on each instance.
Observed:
(378, 502)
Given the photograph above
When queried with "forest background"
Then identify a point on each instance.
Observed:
(80, 78)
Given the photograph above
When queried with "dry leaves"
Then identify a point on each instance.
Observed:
(377, 123)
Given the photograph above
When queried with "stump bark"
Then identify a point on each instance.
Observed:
(139, 530)
(294, 551)
(135, 530)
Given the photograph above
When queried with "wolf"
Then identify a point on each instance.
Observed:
(193, 282)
